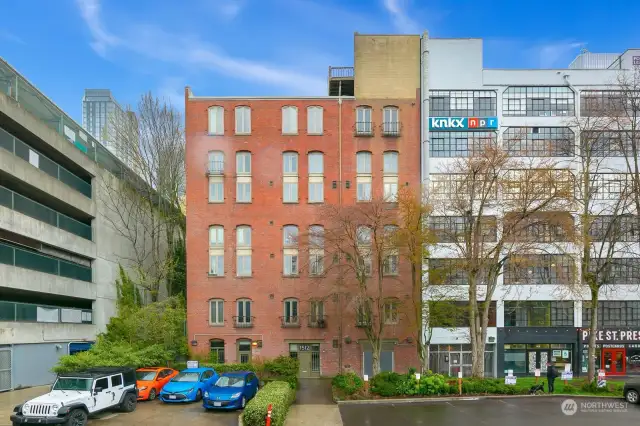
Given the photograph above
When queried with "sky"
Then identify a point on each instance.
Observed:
(276, 47)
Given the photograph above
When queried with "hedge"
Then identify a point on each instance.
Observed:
(349, 383)
(279, 394)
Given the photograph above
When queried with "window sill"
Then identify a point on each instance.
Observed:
(291, 276)
(215, 134)
(216, 325)
(291, 202)
(242, 277)
(209, 275)
(244, 202)
(216, 202)
(315, 134)
(390, 275)
(242, 133)
(315, 202)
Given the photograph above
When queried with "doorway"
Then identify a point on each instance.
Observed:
(538, 359)
(308, 355)
(5, 368)
(614, 361)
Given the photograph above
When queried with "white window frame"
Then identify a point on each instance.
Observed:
(316, 189)
(243, 120)
(242, 194)
(216, 196)
(290, 235)
(291, 302)
(216, 250)
(363, 189)
(390, 311)
(216, 236)
(216, 120)
(290, 163)
(363, 162)
(219, 308)
(216, 162)
(241, 163)
(319, 158)
(364, 125)
(290, 191)
(291, 267)
(289, 120)
(315, 120)
(391, 120)
(390, 158)
(247, 318)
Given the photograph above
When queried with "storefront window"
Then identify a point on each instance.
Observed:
(633, 358)
(515, 360)
(450, 359)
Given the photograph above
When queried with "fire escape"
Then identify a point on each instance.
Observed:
(341, 81)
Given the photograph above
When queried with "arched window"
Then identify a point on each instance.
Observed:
(390, 121)
(314, 120)
(243, 319)
(216, 120)
(290, 235)
(316, 178)
(391, 311)
(390, 166)
(243, 163)
(244, 351)
(217, 350)
(243, 250)
(316, 163)
(316, 250)
(290, 317)
(364, 126)
(216, 250)
(390, 172)
(364, 162)
(289, 120)
(216, 162)
(290, 163)
(243, 120)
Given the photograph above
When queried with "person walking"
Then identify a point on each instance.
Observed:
(552, 373)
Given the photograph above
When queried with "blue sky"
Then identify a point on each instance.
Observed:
(275, 47)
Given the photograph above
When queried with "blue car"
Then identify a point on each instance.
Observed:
(231, 391)
(189, 385)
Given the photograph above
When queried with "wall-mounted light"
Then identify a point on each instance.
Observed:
(194, 343)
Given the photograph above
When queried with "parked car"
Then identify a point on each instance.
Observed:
(231, 391)
(75, 396)
(152, 380)
(632, 390)
(188, 385)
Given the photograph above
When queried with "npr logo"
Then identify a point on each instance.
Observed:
(462, 123)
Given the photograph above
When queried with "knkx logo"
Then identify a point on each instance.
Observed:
(463, 123)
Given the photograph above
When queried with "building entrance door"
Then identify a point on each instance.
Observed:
(613, 361)
(538, 359)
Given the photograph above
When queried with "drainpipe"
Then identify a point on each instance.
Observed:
(424, 119)
(340, 319)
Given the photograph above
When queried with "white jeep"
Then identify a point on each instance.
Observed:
(75, 396)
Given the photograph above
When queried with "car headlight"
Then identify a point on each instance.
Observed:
(54, 407)
(206, 394)
(25, 408)
(190, 390)
(236, 395)
(143, 388)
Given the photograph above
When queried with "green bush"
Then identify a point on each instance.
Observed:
(387, 383)
(113, 355)
(490, 386)
(349, 383)
(279, 394)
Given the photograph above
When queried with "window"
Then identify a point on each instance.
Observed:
(390, 265)
(363, 313)
(363, 179)
(116, 380)
(364, 236)
(450, 229)
(539, 269)
(316, 250)
(216, 312)
(541, 227)
(448, 272)
(538, 314)
(243, 163)
(608, 103)
(316, 308)
(290, 311)
(314, 120)
(243, 120)
(611, 143)
(243, 192)
(390, 178)
(446, 186)
(289, 120)
(539, 141)
(460, 144)
(217, 350)
(216, 162)
(290, 177)
(216, 120)
(391, 163)
(316, 179)
(451, 314)
(244, 351)
(290, 251)
(243, 308)
(364, 126)
(537, 101)
(621, 228)
(216, 189)
(243, 251)
(216, 251)
(463, 103)
(617, 271)
(613, 314)
(544, 182)
(390, 312)
(102, 383)
(610, 186)
(390, 121)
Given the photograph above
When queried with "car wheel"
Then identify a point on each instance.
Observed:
(243, 402)
(129, 403)
(199, 395)
(152, 394)
(77, 417)
(632, 396)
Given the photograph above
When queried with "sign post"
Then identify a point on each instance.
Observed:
(602, 381)
(537, 373)
(460, 382)
(510, 379)
(366, 384)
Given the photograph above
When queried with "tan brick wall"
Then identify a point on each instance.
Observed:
(386, 66)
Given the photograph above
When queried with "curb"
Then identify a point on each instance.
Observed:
(241, 419)
(467, 398)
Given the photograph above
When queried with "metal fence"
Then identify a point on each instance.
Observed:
(21, 258)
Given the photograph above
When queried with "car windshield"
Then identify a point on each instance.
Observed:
(145, 375)
(72, 383)
(186, 377)
(230, 382)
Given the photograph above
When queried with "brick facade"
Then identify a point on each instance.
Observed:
(266, 214)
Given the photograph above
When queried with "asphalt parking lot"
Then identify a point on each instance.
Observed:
(536, 411)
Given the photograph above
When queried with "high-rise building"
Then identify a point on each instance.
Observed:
(59, 248)
(104, 118)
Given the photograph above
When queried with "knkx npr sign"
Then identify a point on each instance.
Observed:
(463, 123)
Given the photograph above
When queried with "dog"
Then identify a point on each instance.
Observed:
(536, 389)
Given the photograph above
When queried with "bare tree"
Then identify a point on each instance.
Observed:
(144, 203)
(482, 205)
(361, 240)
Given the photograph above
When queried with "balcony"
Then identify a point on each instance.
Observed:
(317, 321)
(243, 322)
(215, 168)
(363, 128)
(290, 322)
(341, 81)
(391, 129)
(28, 207)
(27, 259)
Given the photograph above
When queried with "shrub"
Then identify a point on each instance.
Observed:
(388, 383)
(349, 383)
(113, 355)
(279, 394)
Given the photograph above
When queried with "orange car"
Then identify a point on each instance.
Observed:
(151, 381)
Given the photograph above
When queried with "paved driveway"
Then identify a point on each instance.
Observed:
(540, 411)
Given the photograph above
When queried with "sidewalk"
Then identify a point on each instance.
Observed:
(10, 399)
(314, 405)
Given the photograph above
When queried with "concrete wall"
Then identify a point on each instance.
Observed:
(15, 333)
(32, 364)
(386, 66)
(455, 64)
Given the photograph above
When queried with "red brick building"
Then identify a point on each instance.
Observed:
(259, 171)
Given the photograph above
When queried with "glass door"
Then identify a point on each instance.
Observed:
(454, 364)
(614, 361)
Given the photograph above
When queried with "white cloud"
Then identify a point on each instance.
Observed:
(152, 42)
(230, 8)
(400, 17)
(555, 54)
(5, 35)
(172, 90)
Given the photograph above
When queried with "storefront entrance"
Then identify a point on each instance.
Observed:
(308, 354)
(614, 361)
(538, 359)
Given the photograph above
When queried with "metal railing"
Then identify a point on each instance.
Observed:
(215, 168)
(290, 322)
(29, 312)
(363, 128)
(33, 209)
(21, 258)
(243, 322)
(391, 128)
(317, 321)
(50, 167)
(341, 72)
